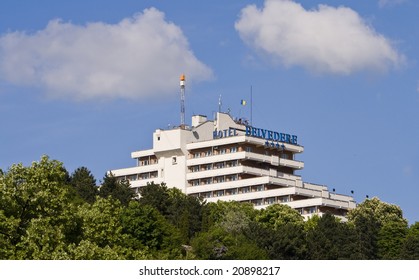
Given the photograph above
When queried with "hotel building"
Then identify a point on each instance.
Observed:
(227, 159)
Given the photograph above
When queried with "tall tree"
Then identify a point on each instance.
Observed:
(150, 229)
(118, 189)
(34, 205)
(185, 212)
(369, 217)
(157, 196)
(331, 239)
(410, 246)
(84, 183)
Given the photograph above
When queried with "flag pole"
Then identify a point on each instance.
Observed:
(251, 105)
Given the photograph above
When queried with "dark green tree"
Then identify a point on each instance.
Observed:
(155, 195)
(185, 212)
(218, 244)
(149, 229)
(84, 183)
(410, 247)
(331, 239)
(390, 240)
(286, 242)
(118, 189)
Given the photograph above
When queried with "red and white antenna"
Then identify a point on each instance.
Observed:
(182, 100)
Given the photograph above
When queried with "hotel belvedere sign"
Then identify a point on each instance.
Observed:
(268, 135)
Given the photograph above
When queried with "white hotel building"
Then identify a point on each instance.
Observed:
(224, 159)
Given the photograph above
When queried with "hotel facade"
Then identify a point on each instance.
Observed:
(227, 159)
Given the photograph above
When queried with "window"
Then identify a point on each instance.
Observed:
(231, 192)
(207, 181)
(222, 151)
(257, 202)
(208, 153)
(174, 160)
(195, 168)
(233, 149)
(219, 179)
(232, 163)
(206, 194)
(249, 149)
(270, 200)
(245, 189)
(195, 183)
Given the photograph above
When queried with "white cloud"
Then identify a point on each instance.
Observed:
(322, 40)
(138, 57)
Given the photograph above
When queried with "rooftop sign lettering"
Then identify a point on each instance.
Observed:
(270, 135)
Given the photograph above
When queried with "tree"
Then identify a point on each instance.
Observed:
(410, 247)
(277, 215)
(233, 216)
(150, 229)
(118, 189)
(331, 239)
(390, 240)
(101, 222)
(185, 212)
(287, 242)
(369, 218)
(84, 183)
(32, 198)
(218, 244)
(155, 195)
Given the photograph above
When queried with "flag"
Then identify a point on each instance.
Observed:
(243, 102)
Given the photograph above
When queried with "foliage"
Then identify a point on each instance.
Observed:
(149, 228)
(84, 184)
(375, 223)
(278, 215)
(331, 239)
(410, 247)
(118, 189)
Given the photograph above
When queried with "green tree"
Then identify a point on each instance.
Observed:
(410, 247)
(277, 215)
(331, 239)
(101, 222)
(155, 195)
(390, 240)
(32, 199)
(286, 242)
(84, 183)
(369, 218)
(185, 212)
(150, 229)
(227, 213)
(118, 189)
(218, 244)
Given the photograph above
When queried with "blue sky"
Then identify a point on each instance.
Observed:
(87, 82)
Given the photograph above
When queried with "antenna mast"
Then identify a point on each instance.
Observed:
(182, 100)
